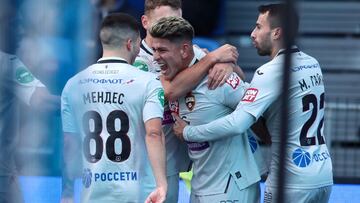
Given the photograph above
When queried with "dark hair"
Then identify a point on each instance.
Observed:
(116, 28)
(277, 14)
(172, 28)
(152, 4)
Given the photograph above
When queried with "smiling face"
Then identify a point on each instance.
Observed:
(261, 35)
(169, 55)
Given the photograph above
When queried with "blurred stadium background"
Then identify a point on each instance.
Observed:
(59, 39)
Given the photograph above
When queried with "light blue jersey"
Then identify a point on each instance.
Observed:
(307, 159)
(108, 104)
(177, 159)
(218, 161)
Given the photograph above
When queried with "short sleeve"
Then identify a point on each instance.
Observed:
(142, 64)
(67, 114)
(22, 80)
(264, 89)
(154, 100)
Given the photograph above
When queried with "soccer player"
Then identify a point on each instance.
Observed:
(308, 164)
(176, 151)
(117, 110)
(17, 85)
(224, 169)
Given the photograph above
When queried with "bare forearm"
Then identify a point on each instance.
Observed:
(72, 163)
(44, 102)
(239, 72)
(156, 150)
(187, 80)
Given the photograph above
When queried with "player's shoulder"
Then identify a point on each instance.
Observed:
(10, 59)
(269, 68)
(144, 75)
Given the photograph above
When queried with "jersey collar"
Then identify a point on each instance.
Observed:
(293, 49)
(146, 47)
(193, 61)
(112, 60)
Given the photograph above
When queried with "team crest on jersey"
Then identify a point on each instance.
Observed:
(161, 97)
(174, 106)
(233, 81)
(23, 76)
(190, 101)
(141, 65)
(86, 177)
(250, 95)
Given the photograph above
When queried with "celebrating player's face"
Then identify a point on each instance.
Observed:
(261, 35)
(168, 56)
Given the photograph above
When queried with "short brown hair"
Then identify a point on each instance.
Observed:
(172, 28)
(277, 13)
(152, 4)
(116, 28)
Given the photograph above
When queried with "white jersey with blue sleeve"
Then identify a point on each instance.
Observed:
(108, 104)
(216, 162)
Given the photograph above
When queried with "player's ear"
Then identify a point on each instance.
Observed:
(145, 22)
(129, 44)
(184, 51)
(277, 33)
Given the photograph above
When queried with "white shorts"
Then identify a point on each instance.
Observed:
(173, 188)
(316, 195)
(250, 194)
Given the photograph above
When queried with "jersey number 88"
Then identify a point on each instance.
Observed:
(110, 142)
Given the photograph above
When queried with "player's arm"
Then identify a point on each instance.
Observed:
(239, 72)
(155, 144)
(231, 125)
(71, 167)
(71, 145)
(43, 101)
(190, 77)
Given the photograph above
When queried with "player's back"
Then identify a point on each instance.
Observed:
(108, 100)
(308, 162)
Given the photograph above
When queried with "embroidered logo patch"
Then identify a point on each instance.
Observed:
(190, 101)
(174, 107)
(250, 95)
(161, 97)
(233, 81)
(141, 65)
(23, 76)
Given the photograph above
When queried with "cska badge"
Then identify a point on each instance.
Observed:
(190, 101)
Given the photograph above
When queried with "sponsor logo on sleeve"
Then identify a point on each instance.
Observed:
(233, 81)
(161, 97)
(259, 72)
(190, 101)
(250, 95)
(23, 76)
(141, 65)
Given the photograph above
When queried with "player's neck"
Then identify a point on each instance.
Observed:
(148, 40)
(116, 53)
(188, 60)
